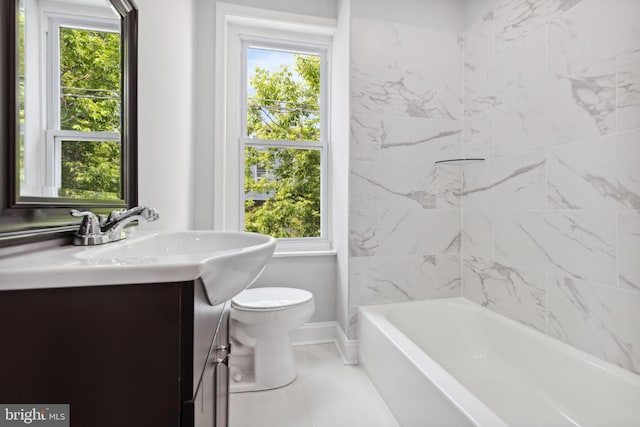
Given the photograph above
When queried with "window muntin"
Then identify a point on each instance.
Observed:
(284, 128)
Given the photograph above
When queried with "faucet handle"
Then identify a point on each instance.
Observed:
(90, 223)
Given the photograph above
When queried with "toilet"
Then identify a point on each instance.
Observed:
(261, 321)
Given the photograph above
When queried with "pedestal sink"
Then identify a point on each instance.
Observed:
(225, 262)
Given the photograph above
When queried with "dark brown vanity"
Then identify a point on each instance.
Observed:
(124, 355)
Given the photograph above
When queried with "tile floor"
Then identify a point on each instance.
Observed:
(325, 394)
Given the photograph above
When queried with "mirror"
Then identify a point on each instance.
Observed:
(68, 113)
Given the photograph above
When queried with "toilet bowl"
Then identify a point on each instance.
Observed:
(261, 352)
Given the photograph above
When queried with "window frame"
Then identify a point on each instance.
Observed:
(267, 29)
(248, 42)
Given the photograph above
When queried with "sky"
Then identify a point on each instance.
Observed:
(270, 60)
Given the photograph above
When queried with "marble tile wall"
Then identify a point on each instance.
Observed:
(405, 212)
(551, 220)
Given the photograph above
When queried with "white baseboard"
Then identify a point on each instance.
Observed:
(347, 348)
(327, 332)
(314, 333)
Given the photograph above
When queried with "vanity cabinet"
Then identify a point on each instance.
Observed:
(123, 355)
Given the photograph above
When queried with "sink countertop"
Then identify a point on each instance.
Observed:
(144, 257)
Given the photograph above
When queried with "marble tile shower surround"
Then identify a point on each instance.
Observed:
(551, 220)
(406, 113)
(547, 230)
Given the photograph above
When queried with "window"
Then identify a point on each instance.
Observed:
(283, 141)
(83, 107)
(272, 152)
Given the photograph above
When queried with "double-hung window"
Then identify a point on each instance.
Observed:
(277, 125)
(83, 107)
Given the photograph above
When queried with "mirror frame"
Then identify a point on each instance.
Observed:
(29, 219)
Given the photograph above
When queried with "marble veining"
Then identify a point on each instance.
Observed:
(394, 279)
(599, 174)
(417, 140)
(479, 40)
(364, 238)
(376, 90)
(448, 276)
(599, 320)
(448, 186)
(450, 90)
(420, 232)
(391, 279)
(577, 244)
(516, 182)
(479, 88)
(477, 136)
(522, 66)
(367, 134)
(386, 185)
(628, 90)
(567, 110)
(628, 250)
(516, 293)
(407, 47)
(592, 31)
(477, 233)
(515, 19)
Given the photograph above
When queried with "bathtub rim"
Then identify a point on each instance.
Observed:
(474, 409)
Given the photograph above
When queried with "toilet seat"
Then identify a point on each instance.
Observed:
(270, 299)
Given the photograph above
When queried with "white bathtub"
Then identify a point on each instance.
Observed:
(453, 363)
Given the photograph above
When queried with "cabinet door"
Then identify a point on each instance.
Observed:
(204, 404)
(110, 352)
(212, 400)
(221, 373)
(221, 390)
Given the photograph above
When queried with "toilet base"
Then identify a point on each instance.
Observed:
(268, 365)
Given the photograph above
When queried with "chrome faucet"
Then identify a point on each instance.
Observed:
(97, 230)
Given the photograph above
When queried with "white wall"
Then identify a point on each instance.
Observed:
(315, 274)
(321, 8)
(165, 111)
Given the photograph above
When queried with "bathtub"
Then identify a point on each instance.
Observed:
(451, 362)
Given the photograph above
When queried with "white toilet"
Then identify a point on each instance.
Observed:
(261, 320)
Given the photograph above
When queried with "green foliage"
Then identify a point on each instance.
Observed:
(285, 107)
(87, 173)
(90, 102)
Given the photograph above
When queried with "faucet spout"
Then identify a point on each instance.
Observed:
(96, 231)
(117, 220)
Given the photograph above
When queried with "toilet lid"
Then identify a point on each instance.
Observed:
(270, 298)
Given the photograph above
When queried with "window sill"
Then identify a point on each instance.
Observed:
(295, 254)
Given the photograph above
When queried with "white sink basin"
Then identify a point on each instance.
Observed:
(225, 262)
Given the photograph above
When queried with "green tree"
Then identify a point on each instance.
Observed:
(285, 107)
(90, 102)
